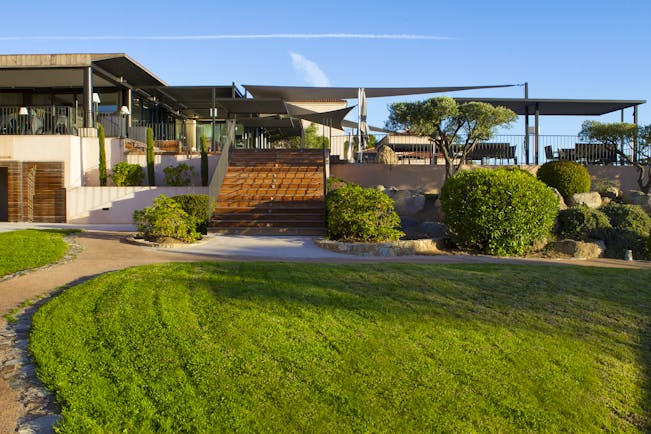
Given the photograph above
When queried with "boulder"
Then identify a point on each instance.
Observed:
(407, 202)
(380, 187)
(591, 199)
(438, 214)
(611, 192)
(434, 230)
(386, 156)
(561, 201)
(634, 197)
(580, 249)
(431, 212)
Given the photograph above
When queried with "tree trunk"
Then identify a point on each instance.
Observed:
(644, 178)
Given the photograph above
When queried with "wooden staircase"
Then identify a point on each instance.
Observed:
(272, 192)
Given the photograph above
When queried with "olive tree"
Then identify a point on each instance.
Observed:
(619, 137)
(454, 128)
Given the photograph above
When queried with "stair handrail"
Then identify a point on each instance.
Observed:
(215, 186)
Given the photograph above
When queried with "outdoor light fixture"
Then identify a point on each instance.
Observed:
(23, 111)
(96, 99)
(124, 110)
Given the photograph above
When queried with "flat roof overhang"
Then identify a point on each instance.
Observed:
(558, 107)
(66, 71)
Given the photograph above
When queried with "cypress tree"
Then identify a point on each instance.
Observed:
(102, 155)
(204, 161)
(151, 174)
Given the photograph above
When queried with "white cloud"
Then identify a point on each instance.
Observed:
(226, 36)
(309, 70)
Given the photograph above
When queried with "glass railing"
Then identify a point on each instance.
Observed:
(38, 120)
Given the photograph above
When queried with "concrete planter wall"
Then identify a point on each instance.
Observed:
(389, 248)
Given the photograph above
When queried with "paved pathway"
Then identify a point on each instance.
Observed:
(104, 249)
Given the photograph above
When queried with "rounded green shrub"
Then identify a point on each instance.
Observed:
(198, 206)
(361, 214)
(568, 177)
(582, 223)
(165, 219)
(630, 230)
(126, 174)
(500, 212)
(179, 175)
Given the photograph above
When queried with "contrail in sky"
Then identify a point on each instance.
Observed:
(399, 36)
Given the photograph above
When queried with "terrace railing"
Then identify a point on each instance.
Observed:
(499, 150)
(38, 120)
(162, 130)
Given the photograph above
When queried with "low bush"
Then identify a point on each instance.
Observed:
(199, 207)
(630, 230)
(165, 219)
(179, 175)
(126, 174)
(568, 177)
(582, 223)
(361, 214)
(333, 183)
(500, 212)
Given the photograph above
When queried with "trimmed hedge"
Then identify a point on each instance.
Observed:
(126, 174)
(568, 177)
(630, 230)
(199, 207)
(501, 211)
(582, 223)
(165, 219)
(179, 175)
(361, 214)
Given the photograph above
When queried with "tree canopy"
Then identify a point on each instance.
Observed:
(629, 141)
(455, 128)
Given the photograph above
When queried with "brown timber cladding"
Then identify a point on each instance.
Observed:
(36, 191)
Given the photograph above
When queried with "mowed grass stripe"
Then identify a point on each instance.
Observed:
(222, 347)
(30, 248)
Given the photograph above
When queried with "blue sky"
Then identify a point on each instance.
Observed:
(565, 49)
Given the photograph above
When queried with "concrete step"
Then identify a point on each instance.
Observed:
(266, 223)
(316, 231)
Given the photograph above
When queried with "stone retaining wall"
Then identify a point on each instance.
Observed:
(389, 248)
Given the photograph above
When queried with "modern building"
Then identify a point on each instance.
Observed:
(51, 104)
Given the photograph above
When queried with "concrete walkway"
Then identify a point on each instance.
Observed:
(104, 249)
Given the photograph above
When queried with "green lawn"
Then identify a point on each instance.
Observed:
(282, 347)
(29, 248)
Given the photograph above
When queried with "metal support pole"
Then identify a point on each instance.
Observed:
(325, 159)
(212, 121)
(526, 123)
(88, 97)
(536, 136)
(126, 100)
(635, 121)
